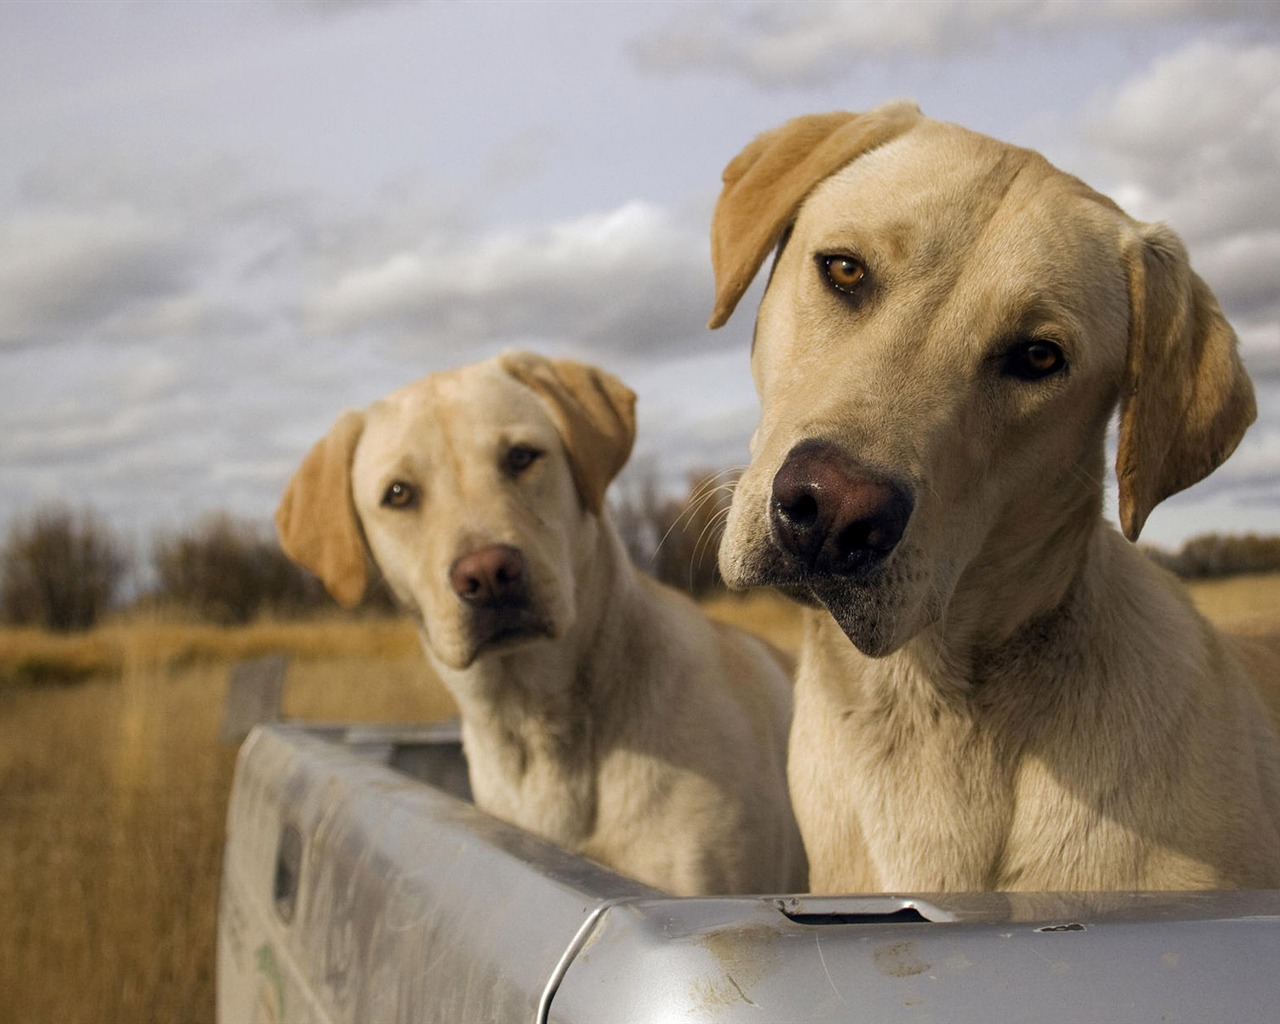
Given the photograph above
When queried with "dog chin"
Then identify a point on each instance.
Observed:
(867, 610)
(865, 624)
(460, 648)
(503, 637)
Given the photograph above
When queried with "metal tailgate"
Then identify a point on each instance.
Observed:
(352, 891)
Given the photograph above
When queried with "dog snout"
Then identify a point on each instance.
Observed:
(834, 516)
(490, 577)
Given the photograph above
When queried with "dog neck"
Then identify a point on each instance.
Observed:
(1022, 577)
(535, 718)
(1023, 572)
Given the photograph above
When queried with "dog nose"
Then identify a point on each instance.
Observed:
(491, 576)
(833, 515)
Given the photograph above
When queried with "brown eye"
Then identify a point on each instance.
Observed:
(519, 458)
(843, 273)
(400, 495)
(1034, 360)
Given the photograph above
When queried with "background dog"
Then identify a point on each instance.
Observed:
(599, 709)
(1001, 693)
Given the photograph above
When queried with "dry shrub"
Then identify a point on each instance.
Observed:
(114, 795)
(1216, 555)
(1224, 600)
(36, 656)
(676, 540)
(60, 570)
(229, 571)
(29, 655)
(113, 798)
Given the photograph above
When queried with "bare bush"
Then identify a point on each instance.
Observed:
(60, 570)
(1212, 555)
(230, 570)
(676, 540)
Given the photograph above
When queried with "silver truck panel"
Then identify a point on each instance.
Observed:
(1138, 957)
(360, 884)
(407, 904)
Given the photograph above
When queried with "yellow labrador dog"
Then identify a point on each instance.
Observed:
(1002, 692)
(599, 709)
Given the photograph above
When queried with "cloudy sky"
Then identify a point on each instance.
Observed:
(223, 222)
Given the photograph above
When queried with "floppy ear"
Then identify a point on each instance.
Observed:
(765, 184)
(593, 411)
(316, 520)
(1186, 400)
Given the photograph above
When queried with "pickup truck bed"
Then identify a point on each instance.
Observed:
(361, 884)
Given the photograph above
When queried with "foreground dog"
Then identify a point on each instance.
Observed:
(1002, 693)
(599, 709)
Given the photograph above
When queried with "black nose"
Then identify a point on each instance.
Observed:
(833, 515)
(489, 577)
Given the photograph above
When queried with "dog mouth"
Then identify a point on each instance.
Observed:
(498, 628)
(867, 604)
(800, 593)
(832, 534)
(497, 603)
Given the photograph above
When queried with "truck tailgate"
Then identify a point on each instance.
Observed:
(360, 884)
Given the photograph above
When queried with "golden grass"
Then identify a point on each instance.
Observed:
(113, 794)
(33, 655)
(109, 855)
(113, 790)
(764, 612)
(778, 620)
(1224, 600)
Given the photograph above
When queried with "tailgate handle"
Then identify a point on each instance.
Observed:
(860, 910)
(284, 889)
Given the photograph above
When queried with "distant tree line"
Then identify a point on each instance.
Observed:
(1213, 554)
(64, 570)
(60, 570)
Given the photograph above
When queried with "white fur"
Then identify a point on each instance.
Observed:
(630, 728)
(1016, 698)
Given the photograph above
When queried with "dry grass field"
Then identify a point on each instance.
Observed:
(113, 788)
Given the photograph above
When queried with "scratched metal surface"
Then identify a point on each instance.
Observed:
(397, 901)
(411, 905)
(992, 958)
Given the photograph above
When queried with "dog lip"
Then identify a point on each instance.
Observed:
(509, 637)
(852, 602)
(800, 594)
(839, 592)
(795, 582)
(492, 628)
(788, 570)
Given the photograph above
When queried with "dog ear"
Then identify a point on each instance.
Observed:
(765, 184)
(1186, 400)
(317, 521)
(593, 411)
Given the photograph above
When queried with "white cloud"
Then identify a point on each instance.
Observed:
(218, 227)
(786, 44)
(113, 248)
(62, 269)
(1260, 343)
(1195, 141)
(631, 279)
(1198, 115)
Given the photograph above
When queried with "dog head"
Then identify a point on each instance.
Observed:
(475, 491)
(948, 325)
